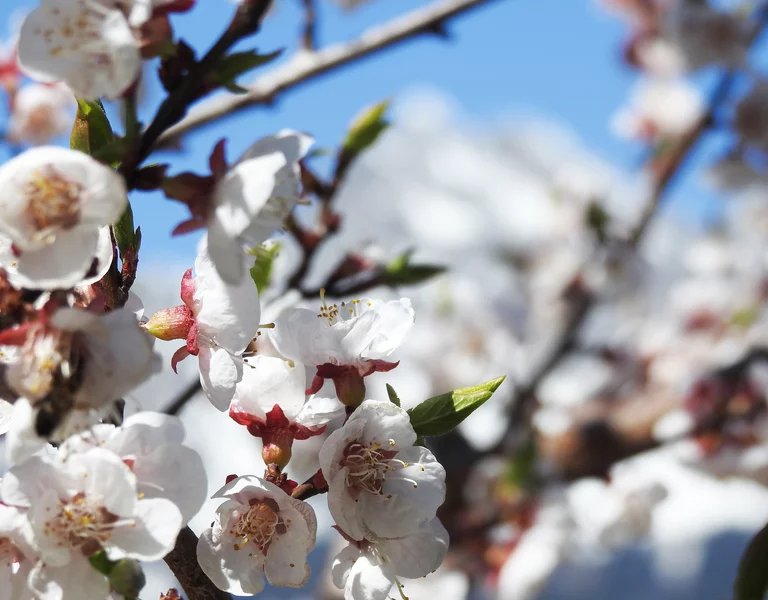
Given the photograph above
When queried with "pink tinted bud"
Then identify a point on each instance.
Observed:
(171, 323)
(277, 449)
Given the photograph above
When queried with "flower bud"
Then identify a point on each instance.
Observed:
(170, 323)
(277, 448)
(127, 578)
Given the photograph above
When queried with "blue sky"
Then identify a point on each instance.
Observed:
(559, 58)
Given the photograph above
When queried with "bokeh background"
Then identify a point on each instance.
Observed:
(502, 134)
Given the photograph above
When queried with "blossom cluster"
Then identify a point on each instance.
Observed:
(623, 333)
(95, 487)
(383, 489)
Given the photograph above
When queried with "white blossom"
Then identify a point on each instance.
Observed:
(54, 204)
(705, 36)
(259, 530)
(110, 352)
(270, 382)
(40, 113)
(368, 569)
(218, 321)
(107, 355)
(380, 484)
(151, 445)
(659, 108)
(87, 44)
(253, 199)
(78, 506)
(346, 342)
(100, 262)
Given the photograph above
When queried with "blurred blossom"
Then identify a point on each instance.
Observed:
(734, 172)
(40, 113)
(706, 36)
(659, 108)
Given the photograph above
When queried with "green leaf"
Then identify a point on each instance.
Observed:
(91, 130)
(261, 271)
(126, 236)
(597, 219)
(92, 134)
(400, 271)
(745, 317)
(520, 468)
(317, 153)
(100, 562)
(111, 153)
(393, 395)
(232, 66)
(441, 414)
(752, 577)
(366, 128)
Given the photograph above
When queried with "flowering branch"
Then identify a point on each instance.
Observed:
(306, 66)
(246, 21)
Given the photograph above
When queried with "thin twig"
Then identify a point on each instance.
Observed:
(246, 21)
(306, 66)
(309, 33)
(189, 391)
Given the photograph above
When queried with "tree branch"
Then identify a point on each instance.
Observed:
(306, 66)
(182, 560)
(246, 21)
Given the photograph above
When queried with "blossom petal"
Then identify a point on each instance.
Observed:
(226, 314)
(120, 357)
(6, 414)
(60, 265)
(150, 536)
(226, 253)
(103, 259)
(302, 336)
(293, 145)
(342, 565)
(143, 432)
(231, 571)
(48, 51)
(333, 448)
(75, 581)
(219, 374)
(174, 472)
(106, 477)
(420, 553)
(319, 411)
(410, 495)
(385, 421)
(245, 190)
(48, 544)
(396, 319)
(28, 480)
(369, 580)
(268, 381)
(344, 510)
(358, 333)
(286, 563)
